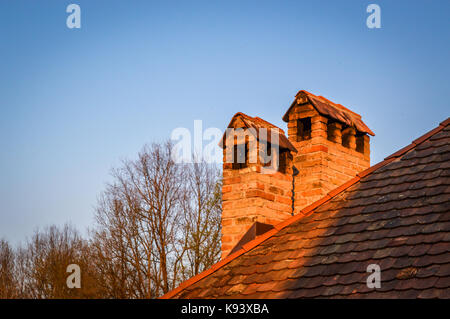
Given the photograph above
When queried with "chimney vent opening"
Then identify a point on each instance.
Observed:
(303, 129)
(240, 156)
(362, 143)
(267, 154)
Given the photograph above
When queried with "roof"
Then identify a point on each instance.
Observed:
(258, 123)
(330, 109)
(395, 214)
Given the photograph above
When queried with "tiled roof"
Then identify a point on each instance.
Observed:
(395, 214)
(258, 123)
(331, 109)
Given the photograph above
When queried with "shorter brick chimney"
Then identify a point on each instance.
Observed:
(249, 194)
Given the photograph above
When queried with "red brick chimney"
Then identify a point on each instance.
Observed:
(328, 144)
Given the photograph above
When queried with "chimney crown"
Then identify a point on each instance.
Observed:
(329, 109)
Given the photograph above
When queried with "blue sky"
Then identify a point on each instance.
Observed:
(73, 103)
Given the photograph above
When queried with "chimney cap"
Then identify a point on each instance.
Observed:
(258, 123)
(331, 109)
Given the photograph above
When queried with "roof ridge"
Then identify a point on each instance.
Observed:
(305, 211)
(419, 140)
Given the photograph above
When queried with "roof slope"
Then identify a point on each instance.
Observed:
(330, 109)
(395, 214)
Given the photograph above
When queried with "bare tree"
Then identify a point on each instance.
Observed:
(8, 284)
(42, 265)
(159, 182)
(139, 225)
(202, 217)
(122, 250)
(157, 224)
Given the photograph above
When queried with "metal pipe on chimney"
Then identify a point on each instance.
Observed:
(294, 173)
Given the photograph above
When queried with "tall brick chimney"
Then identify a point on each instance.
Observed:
(332, 143)
(327, 143)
